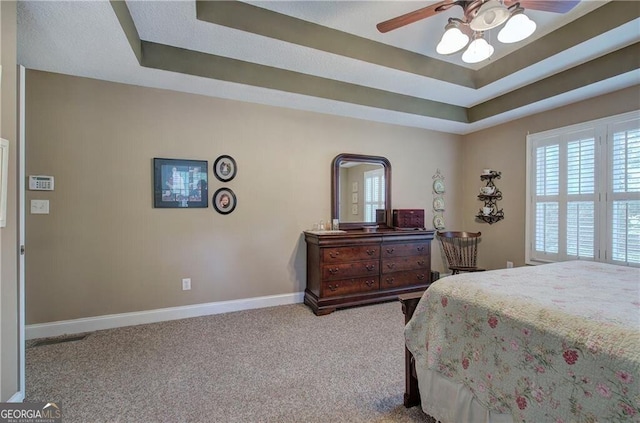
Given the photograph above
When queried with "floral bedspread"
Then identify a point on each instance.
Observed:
(552, 343)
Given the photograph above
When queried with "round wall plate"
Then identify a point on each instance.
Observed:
(438, 203)
(438, 221)
(438, 186)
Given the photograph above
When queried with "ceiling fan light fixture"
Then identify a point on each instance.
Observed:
(490, 15)
(478, 50)
(517, 28)
(453, 40)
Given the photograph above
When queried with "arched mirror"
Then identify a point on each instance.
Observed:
(360, 190)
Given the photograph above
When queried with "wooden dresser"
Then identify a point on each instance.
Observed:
(358, 268)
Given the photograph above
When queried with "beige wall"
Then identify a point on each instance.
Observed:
(503, 148)
(104, 249)
(9, 335)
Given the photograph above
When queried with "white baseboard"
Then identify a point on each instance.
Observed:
(17, 397)
(90, 324)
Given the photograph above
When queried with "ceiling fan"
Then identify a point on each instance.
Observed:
(480, 16)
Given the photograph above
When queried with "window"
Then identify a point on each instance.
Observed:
(373, 193)
(583, 192)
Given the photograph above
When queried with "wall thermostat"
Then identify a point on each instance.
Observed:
(40, 183)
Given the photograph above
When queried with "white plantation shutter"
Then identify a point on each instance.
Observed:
(625, 193)
(548, 169)
(547, 190)
(547, 228)
(581, 229)
(584, 192)
(581, 195)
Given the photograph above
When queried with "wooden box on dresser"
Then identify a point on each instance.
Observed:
(357, 267)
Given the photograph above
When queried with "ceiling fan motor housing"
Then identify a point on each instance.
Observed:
(485, 15)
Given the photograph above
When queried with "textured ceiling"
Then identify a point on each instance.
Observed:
(328, 57)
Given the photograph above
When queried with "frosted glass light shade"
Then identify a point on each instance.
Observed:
(452, 40)
(517, 29)
(490, 15)
(478, 50)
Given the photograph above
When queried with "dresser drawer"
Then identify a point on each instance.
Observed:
(405, 263)
(350, 270)
(411, 277)
(342, 254)
(350, 286)
(400, 250)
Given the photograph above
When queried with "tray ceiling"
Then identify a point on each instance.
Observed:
(328, 57)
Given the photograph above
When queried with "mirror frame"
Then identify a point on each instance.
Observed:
(335, 187)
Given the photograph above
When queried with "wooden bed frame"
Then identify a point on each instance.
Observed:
(411, 391)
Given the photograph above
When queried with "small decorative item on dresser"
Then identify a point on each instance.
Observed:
(408, 218)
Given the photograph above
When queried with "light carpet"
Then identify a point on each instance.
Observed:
(277, 364)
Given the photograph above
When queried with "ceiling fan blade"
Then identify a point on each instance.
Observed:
(414, 16)
(546, 6)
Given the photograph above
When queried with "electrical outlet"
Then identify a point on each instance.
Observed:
(186, 284)
(509, 264)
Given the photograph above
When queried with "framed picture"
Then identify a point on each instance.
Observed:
(354, 197)
(224, 201)
(225, 168)
(354, 186)
(354, 209)
(4, 175)
(180, 183)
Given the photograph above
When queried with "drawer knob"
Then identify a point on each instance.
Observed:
(368, 283)
(369, 267)
(420, 249)
(371, 252)
(390, 281)
(420, 276)
(391, 265)
(390, 250)
(421, 263)
(334, 270)
(333, 287)
(334, 254)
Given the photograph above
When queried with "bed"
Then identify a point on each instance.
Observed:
(558, 343)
